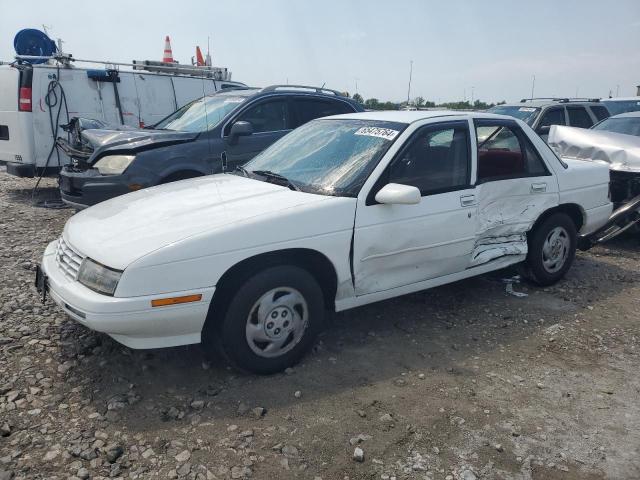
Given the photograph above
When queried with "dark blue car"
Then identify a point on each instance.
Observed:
(210, 135)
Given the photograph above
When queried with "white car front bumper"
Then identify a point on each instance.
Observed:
(131, 321)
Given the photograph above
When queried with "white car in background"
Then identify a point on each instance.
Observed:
(342, 212)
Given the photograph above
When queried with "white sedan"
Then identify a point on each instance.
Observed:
(342, 212)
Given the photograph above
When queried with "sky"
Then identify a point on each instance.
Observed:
(490, 49)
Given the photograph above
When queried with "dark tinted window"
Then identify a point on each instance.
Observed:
(308, 109)
(578, 117)
(505, 152)
(435, 160)
(600, 112)
(553, 116)
(268, 116)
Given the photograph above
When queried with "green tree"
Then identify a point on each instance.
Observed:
(418, 102)
(358, 98)
(372, 104)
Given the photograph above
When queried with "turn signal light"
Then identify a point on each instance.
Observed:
(164, 302)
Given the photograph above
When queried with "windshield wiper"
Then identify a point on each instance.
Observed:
(243, 170)
(269, 175)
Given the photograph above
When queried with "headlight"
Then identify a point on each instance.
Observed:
(98, 277)
(113, 164)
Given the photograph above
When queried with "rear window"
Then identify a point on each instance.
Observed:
(600, 112)
(578, 117)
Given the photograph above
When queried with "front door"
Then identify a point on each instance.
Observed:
(398, 245)
(270, 120)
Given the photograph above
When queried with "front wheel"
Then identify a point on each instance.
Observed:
(272, 319)
(552, 248)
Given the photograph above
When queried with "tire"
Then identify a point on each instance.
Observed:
(275, 338)
(552, 249)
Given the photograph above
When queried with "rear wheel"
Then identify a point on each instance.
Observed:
(552, 248)
(272, 319)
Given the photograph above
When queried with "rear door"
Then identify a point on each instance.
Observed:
(513, 186)
(16, 128)
(271, 120)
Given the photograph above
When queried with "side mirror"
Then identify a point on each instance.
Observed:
(398, 194)
(240, 129)
(543, 130)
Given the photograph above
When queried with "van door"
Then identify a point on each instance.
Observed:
(156, 96)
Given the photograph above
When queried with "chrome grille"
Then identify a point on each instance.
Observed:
(68, 260)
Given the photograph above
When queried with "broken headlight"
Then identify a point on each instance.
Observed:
(113, 164)
(98, 278)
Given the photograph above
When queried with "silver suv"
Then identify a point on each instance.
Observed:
(541, 113)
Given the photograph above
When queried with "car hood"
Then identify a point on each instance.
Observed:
(121, 230)
(132, 140)
(620, 151)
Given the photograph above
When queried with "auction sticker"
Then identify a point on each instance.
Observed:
(386, 133)
(527, 109)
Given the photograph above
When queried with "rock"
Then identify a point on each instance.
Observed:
(183, 456)
(468, 475)
(289, 451)
(359, 439)
(361, 413)
(51, 455)
(184, 470)
(386, 418)
(6, 475)
(113, 453)
(243, 408)
(297, 394)
(358, 455)
(498, 447)
(5, 430)
(540, 385)
(240, 472)
(82, 473)
(197, 404)
(436, 450)
(259, 412)
(421, 376)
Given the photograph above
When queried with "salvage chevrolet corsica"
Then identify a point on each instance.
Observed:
(342, 212)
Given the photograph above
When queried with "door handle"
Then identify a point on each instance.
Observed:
(538, 187)
(467, 200)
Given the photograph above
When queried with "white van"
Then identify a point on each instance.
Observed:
(32, 105)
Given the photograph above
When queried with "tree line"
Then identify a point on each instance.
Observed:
(419, 102)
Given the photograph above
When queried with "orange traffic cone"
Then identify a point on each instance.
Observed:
(168, 55)
(199, 58)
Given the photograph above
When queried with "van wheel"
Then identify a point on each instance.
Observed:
(174, 177)
(272, 319)
(552, 248)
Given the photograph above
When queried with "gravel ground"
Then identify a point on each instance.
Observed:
(460, 382)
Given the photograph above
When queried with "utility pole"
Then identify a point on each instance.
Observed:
(356, 85)
(617, 90)
(533, 86)
(410, 74)
(472, 91)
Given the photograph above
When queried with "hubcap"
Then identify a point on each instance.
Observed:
(276, 322)
(555, 249)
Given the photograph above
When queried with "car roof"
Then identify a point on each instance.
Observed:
(621, 99)
(545, 103)
(242, 91)
(404, 116)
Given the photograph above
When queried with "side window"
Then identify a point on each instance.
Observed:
(308, 109)
(578, 117)
(435, 160)
(269, 116)
(505, 152)
(600, 112)
(553, 116)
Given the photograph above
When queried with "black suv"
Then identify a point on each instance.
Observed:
(213, 134)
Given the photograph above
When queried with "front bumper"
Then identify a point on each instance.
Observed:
(131, 321)
(83, 188)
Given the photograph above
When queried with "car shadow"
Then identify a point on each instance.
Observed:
(436, 329)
